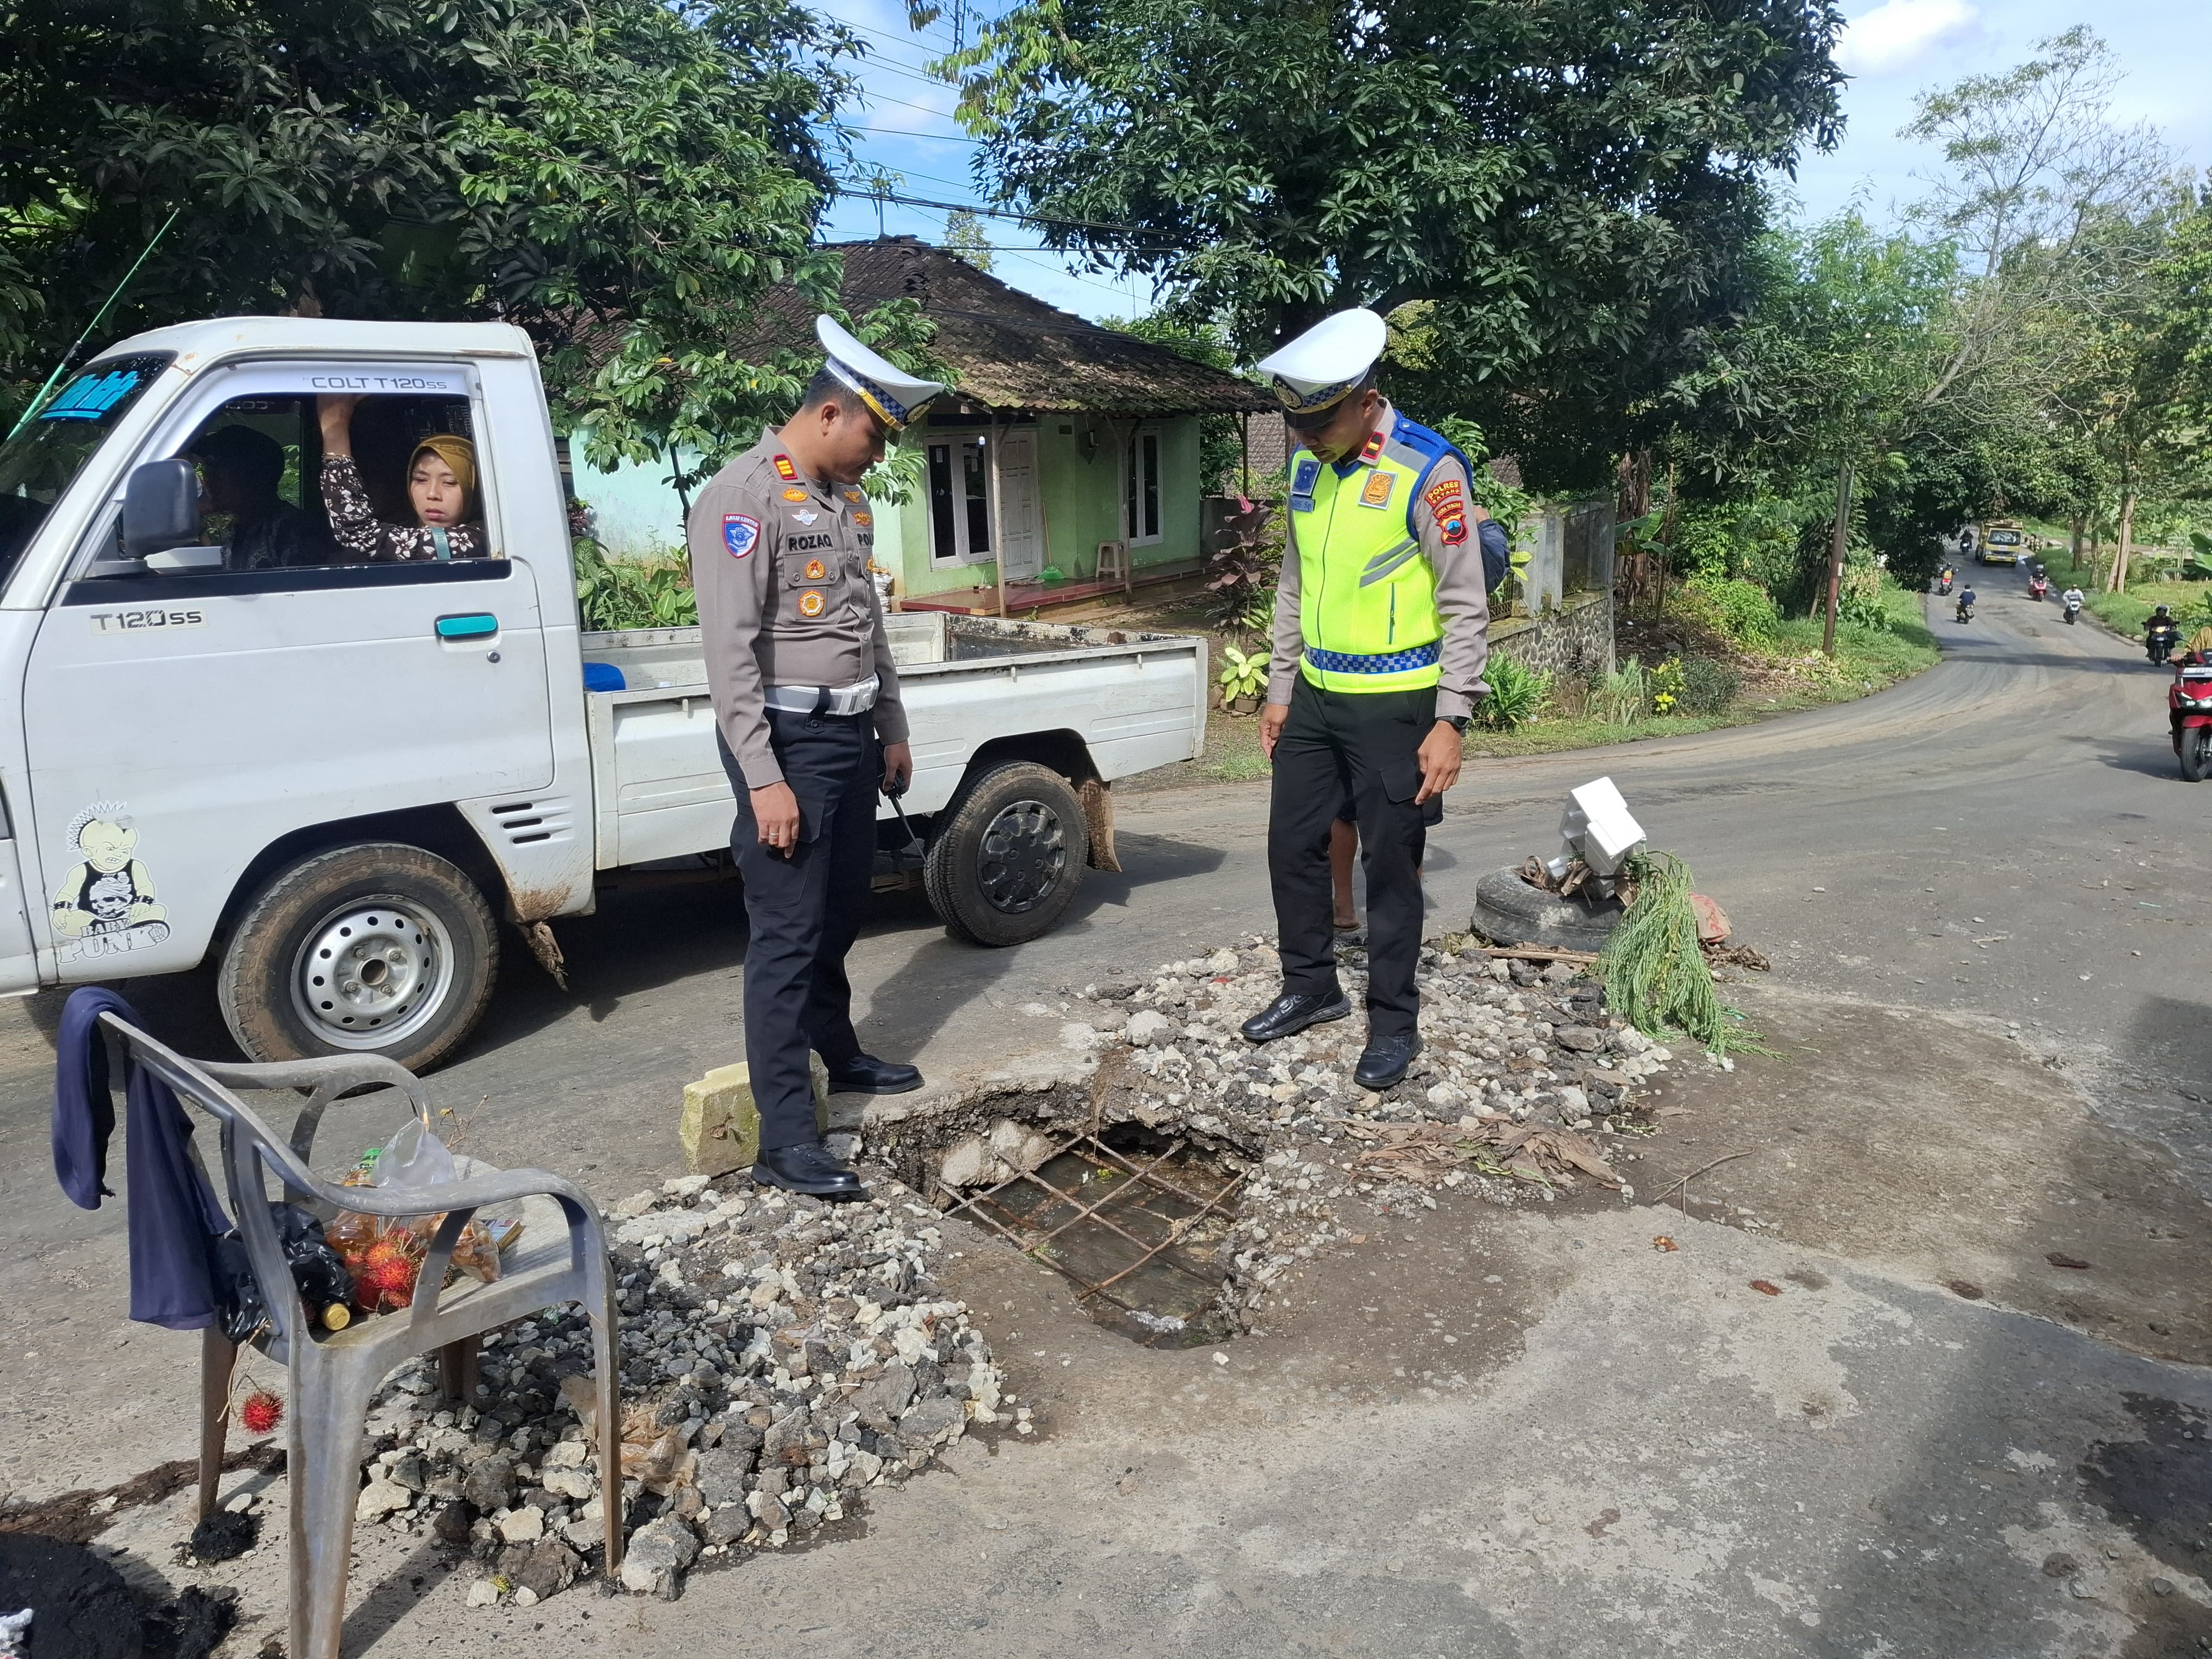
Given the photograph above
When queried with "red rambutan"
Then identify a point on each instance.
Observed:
(262, 1412)
(386, 1276)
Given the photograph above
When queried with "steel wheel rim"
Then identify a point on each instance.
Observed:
(1024, 852)
(372, 972)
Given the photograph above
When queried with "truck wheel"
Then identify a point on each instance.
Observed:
(1005, 866)
(377, 948)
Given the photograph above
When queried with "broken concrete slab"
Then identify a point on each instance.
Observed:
(719, 1128)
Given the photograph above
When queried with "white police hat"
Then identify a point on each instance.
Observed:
(1326, 361)
(893, 394)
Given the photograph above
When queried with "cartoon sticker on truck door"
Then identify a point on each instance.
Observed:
(106, 904)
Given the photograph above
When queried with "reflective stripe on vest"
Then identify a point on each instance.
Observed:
(1367, 600)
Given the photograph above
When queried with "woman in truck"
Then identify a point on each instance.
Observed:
(441, 490)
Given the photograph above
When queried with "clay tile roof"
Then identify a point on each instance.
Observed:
(1013, 351)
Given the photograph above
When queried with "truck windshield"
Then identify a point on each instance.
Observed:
(39, 462)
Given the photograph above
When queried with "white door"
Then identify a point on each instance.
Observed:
(178, 725)
(1022, 524)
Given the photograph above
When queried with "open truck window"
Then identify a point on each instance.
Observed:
(49, 449)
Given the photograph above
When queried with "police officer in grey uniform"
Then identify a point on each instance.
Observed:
(806, 704)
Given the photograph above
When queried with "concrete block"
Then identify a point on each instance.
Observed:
(721, 1126)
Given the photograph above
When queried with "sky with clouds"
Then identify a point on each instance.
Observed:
(1893, 49)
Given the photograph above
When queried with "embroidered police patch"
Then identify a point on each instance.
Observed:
(1379, 485)
(864, 520)
(852, 495)
(1442, 496)
(741, 534)
(1454, 529)
(809, 603)
(784, 469)
(794, 495)
(814, 570)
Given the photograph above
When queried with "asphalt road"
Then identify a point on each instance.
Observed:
(2002, 840)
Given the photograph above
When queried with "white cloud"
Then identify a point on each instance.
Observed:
(1898, 33)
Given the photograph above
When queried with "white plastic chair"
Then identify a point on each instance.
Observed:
(561, 1258)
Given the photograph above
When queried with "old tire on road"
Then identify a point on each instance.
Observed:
(1008, 855)
(376, 948)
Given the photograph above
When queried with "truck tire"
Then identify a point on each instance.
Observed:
(1008, 856)
(376, 948)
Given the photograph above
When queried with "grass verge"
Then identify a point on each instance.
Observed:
(1795, 676)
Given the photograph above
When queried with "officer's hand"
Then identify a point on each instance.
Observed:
(1439, 756)
(899, 767)
(776, 810)
(1272, 716)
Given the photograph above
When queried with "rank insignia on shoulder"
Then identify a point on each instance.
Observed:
(1454, 529)
(809, 603)
(1374, 446)
(852, 495)
(741, 534)
(784, 469)
(814, 571)
(864, 520)
(794, 495)
(1379, 486)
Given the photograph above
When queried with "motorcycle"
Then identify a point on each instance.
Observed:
(2037, 587)
(2189, 704)
(1966, 611)
(2073, 610)
(2158, 635)
(1943, 584)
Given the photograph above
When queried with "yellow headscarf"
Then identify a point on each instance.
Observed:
(2201, 643)
(459, 456)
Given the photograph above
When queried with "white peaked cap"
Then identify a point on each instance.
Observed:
(889, 390)
(1326, 361)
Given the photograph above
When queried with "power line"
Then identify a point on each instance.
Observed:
(901, 132)
(1011, 213)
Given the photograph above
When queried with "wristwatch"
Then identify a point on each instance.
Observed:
(1457, 722)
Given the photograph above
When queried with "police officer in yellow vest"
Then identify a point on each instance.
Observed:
(1381, 620)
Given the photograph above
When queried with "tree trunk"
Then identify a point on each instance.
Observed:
(1836, 555)
(2124, 547)
(1666, 525)
(2077, 543)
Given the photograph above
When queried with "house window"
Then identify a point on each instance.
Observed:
(960, 501)
(1141, 513)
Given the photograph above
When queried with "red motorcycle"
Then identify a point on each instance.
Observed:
(2038, 587)
(2189, 701)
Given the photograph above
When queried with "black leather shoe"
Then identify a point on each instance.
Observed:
(863, 1075)
(1385, 1059)
(809, 1168)
(1288, 1015)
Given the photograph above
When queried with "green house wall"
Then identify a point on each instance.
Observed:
(1081, 499)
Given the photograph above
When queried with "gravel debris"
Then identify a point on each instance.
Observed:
(781, 1357)
(1526, 1087)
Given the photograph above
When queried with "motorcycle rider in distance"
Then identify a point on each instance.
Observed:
(1944, 580)
(2073, 599)
(1966, 603)
(2160, 634)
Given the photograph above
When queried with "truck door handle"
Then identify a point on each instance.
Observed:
(475, 625)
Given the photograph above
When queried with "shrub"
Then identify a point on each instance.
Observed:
(1743, 610)
(1708, 687)
(615, 594)
(1242, 675)
(1667, 687)
(1622, 697)
(1517, 694)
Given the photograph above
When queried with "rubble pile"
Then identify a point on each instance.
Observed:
(1525, 1081)
(780, 1358)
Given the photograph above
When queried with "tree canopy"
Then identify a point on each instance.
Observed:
(623, 178)
(1569, 186)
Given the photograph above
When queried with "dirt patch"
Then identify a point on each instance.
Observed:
(1942, 1151)
(79, 1516)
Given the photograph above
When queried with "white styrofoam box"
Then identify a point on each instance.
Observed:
(1597, 824)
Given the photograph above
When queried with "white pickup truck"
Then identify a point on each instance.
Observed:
(241, 741)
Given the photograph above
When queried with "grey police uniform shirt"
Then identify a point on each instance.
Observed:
(780, 563)
(1462, 601)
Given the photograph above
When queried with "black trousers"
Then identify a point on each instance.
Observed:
(1363, 745)
(804, 911)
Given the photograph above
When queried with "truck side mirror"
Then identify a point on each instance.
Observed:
(161, 507)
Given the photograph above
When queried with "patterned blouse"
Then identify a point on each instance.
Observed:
(356, 527)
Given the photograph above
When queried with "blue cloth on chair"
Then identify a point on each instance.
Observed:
(174, 1216)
